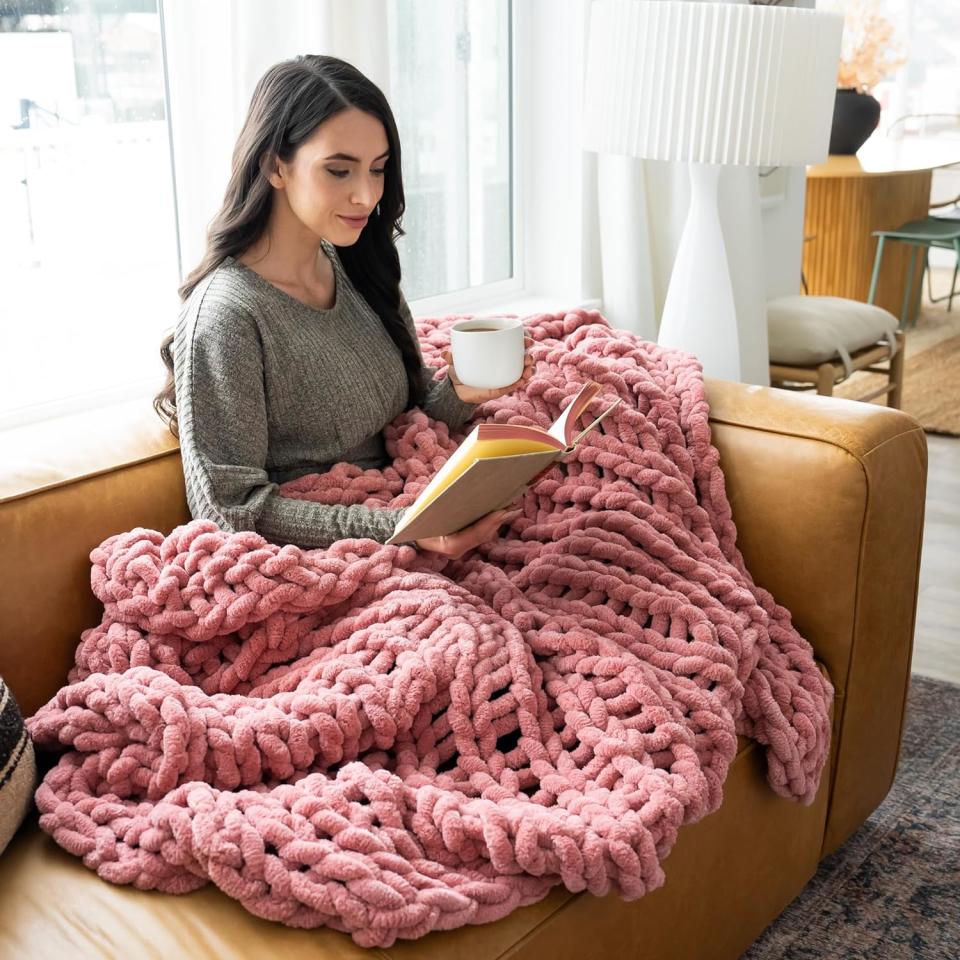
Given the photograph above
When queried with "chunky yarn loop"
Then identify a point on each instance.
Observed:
(387, 743)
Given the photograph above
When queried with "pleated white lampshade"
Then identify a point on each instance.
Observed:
(719, 83)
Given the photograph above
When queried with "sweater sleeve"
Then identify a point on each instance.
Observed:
(441, 401)
(221, 411)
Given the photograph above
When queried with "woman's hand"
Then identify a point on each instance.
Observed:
(482, 394)
(455, 545)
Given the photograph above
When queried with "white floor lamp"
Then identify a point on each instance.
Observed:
(709, 84)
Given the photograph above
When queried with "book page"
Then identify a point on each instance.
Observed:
(613, 406)
(535, 437)
(564, 426)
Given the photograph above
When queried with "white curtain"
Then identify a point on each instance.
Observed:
(216, 52)
(628, 240)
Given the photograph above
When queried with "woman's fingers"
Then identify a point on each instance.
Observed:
(481, 531)
(499, 517)
(485, 527)
(488, 523)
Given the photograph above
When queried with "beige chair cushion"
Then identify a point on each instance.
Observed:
(805, 331)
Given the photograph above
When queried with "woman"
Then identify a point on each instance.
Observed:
(295, 346)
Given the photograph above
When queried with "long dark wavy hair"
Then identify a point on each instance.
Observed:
(290, 101)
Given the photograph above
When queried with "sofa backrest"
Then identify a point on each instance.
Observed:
(65, 486)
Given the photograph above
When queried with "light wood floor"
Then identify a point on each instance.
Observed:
(936, 645)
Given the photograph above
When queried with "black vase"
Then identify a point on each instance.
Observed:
(855, 117)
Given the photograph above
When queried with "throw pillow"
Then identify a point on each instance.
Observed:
(18, 768)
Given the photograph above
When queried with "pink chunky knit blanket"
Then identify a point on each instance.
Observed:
(387, 743)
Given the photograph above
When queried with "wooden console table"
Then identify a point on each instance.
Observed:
(886, 184)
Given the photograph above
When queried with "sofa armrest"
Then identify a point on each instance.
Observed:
(828, 500)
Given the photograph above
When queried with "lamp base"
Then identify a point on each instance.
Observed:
(699, 315)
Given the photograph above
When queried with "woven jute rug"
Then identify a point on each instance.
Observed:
(931, 387)
(892, 891)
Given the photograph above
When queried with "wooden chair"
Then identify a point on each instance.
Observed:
(817, 342)
(825, 376)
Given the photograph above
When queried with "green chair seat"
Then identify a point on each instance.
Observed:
(932, 231)
(926, 231)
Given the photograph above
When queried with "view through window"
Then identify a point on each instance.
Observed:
(451, 91)
(88, 232)
(87, 236)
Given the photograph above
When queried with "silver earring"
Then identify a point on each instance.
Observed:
(377, 211)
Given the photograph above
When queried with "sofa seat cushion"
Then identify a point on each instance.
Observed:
(54, 907)
(804, 331)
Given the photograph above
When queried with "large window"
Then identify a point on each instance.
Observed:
(451, 94)
(91, 257)
(87, 238)
(928, 31)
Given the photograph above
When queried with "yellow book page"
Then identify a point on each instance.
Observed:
(463, 458)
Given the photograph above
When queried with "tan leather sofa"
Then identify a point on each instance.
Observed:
(828, 498)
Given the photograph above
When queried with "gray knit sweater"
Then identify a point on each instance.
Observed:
(269, 389)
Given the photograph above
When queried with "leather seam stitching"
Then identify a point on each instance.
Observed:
(835, 767)
(858, 456)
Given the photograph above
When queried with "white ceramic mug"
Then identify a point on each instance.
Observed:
(488, 351)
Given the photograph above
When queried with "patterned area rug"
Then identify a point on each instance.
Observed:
(892, 891)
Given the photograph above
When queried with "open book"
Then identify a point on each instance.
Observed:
(492, 468)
